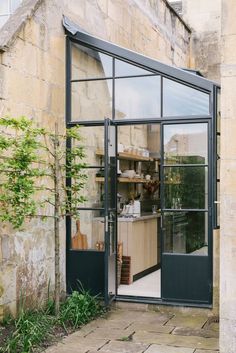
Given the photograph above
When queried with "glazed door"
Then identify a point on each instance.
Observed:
(91, 240)
(110, 211)
(186, 213)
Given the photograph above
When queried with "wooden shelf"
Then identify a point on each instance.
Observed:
(128, 156)
(124, 180)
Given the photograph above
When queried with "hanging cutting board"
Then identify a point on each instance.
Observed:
(79, 240)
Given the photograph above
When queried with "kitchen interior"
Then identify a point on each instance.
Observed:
(138, 197)
(138, 203)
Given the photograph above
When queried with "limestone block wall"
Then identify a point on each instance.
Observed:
(228, 185)
(204, 18)
(32, 83)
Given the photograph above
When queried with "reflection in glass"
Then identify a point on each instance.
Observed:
(137, 98)
(186, 233)
(122, 68)
(89, 63)
(91, 100)
(185, 187)
(92, 191)
(88, 231)
(179, 100)
(185, 144)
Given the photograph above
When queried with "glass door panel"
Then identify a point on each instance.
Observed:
(185, 212)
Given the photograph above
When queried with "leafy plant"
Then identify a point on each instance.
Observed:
(79, 309)
(36, 160)
(31, 329)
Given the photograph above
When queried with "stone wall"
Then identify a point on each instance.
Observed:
(204, 19)
(228, 184)
(32, 83)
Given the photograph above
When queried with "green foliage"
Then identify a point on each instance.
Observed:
(28, 156)
(19, 143)
(32, 328)
(78, 309)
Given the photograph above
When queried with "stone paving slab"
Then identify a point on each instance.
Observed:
(195, 321)
(124, 347)
(133, 331)
(154, 348)
(110, 333)
(77, 345)
(187, 331)
(141, 326)
(204, 351)
(175, 340)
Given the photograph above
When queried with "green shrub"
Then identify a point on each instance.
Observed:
(78, 309)
(31, 329)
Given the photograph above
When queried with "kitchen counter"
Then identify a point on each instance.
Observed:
(143, 217)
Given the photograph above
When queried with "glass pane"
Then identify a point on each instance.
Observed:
(179, 99)
(93, 190)
(185, 144)
(88, 231)
(186, 187)
(15, 4)
(137, 98)
(186, 232)
(91, 100)
(89, 63)
(4, 8)
(124, 69)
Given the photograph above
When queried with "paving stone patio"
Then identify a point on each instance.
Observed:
(133, 331)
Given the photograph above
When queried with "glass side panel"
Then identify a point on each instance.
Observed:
(92, 141)
(186, 233)
(185, 144)
(89, 63)
(137, 98)
(122, 68)
(91, 100)
(88, 231)
(186, 187)
(182, 100)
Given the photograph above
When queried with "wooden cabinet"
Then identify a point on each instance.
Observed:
(140, 242)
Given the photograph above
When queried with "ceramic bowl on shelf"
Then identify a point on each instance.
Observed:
(128, 174)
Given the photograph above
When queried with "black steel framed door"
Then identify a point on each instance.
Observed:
(91, 240)
(110, 211)
(186, 212)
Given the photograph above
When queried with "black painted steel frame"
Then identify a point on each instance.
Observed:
(166, 71)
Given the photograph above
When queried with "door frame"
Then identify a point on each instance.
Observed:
(209, 211)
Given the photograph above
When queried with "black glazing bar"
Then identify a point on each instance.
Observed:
(93, 167)
(113, 89)
(167, 120)
(92, 79)
(162, 96)
(184, 210)
(90, 209)
(68, 80)
(111, 77)
(184, 165)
